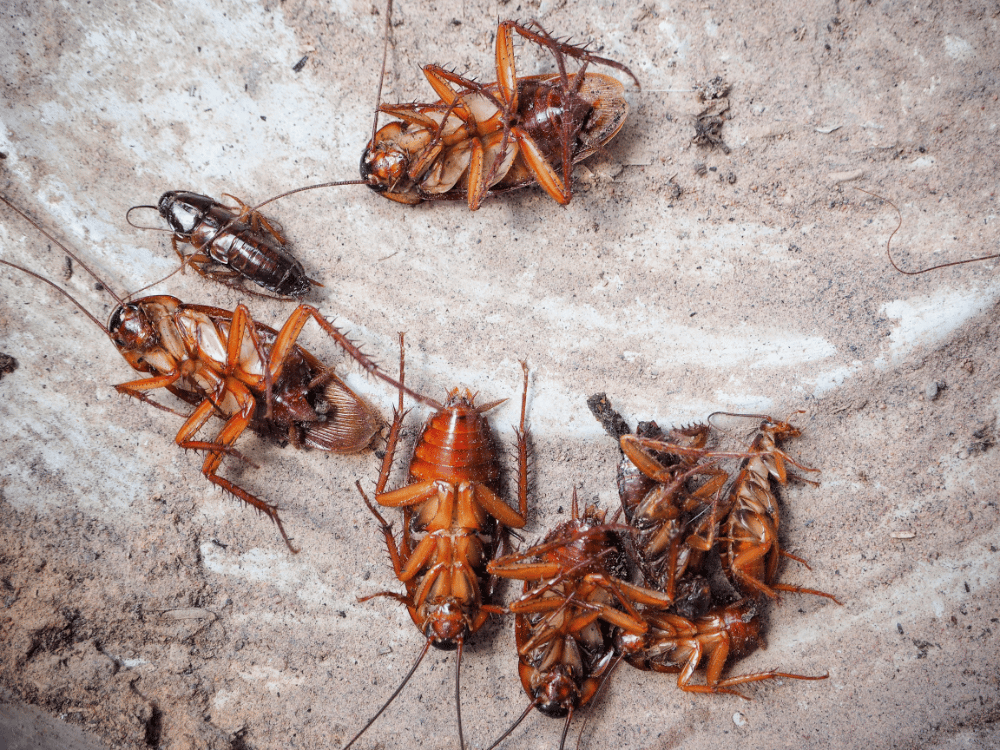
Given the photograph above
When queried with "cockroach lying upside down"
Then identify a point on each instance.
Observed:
(479, 140)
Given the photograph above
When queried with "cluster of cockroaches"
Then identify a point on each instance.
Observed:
(596, 592)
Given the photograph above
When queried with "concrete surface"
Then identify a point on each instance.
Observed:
(143, 604)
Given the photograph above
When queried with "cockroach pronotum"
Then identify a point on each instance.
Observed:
(483, 139)
(750, 550)
(225, 364)
(455, 516)
(232, 245)
(675, 644)
(575, 595)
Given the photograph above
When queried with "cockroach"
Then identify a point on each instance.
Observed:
(482, 139)
(575, 595)
(225, 364)
(454, 522)
(750, 550)
(678, 645)
(661, 508)
(232, 245)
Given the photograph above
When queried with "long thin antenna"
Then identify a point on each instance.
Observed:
(458, 693)
(423, 653)
(514, 726)
(385, 57)
(59, 289)
(888, 242)
(66, 250)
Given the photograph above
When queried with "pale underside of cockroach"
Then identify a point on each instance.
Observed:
(484, 139)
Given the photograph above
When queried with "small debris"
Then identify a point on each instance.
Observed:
(700, 169)
(838, 177)
(828, 129)
(932, 390)
(610, 420)
(7, 365)
(300, 64)
(188, 613)
(899, 628)
(739, 719)
(708, 125)
(384, 650)
(717, 88)
(902, 534)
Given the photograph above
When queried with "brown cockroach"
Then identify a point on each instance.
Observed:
(666, 515)
(575, 595)
(225, 364)
(483, 139)
(232, 245)
(678, 645)
(454, 522)
(750, 548)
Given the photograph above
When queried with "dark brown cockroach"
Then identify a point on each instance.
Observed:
(225, 364)
(482, 139)
(232, 245)
(575, 596)
(666, 514)
(750, 549)
(678, 645)
(454, 523)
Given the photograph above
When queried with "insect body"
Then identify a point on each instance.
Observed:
(232, 245)
(479, 140)
(574, 597)
(454, 522)
(751, 552)
(677, 645)
(665, 513)
(225, 364)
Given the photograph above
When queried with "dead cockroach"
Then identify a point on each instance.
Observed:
(484, 139)
(225, 364)
(750, 550)
(232, 245)
(454, 522)
(660, 506)
(675, 645)
(575, 595)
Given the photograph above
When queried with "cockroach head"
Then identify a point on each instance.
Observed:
(446, 623)
(555, 692)
(131, 329)
(183, 210)
(383, 166)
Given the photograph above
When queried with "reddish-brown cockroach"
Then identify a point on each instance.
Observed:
(232, 245)
(482, 139)
(225, 364)
(454, 522)
(675, 645)
(574, 597)
(750, 549)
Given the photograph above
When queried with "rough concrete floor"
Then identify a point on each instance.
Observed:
(140, 603)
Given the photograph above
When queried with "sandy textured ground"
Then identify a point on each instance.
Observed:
(138, 602)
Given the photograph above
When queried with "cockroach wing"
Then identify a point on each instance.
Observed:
(350, 423)
(607, 96)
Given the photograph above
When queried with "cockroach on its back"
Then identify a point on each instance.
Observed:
(479, 140)
(575, 596)
(454, 522)
(232, 245)
(225, 364)
(676, 645)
